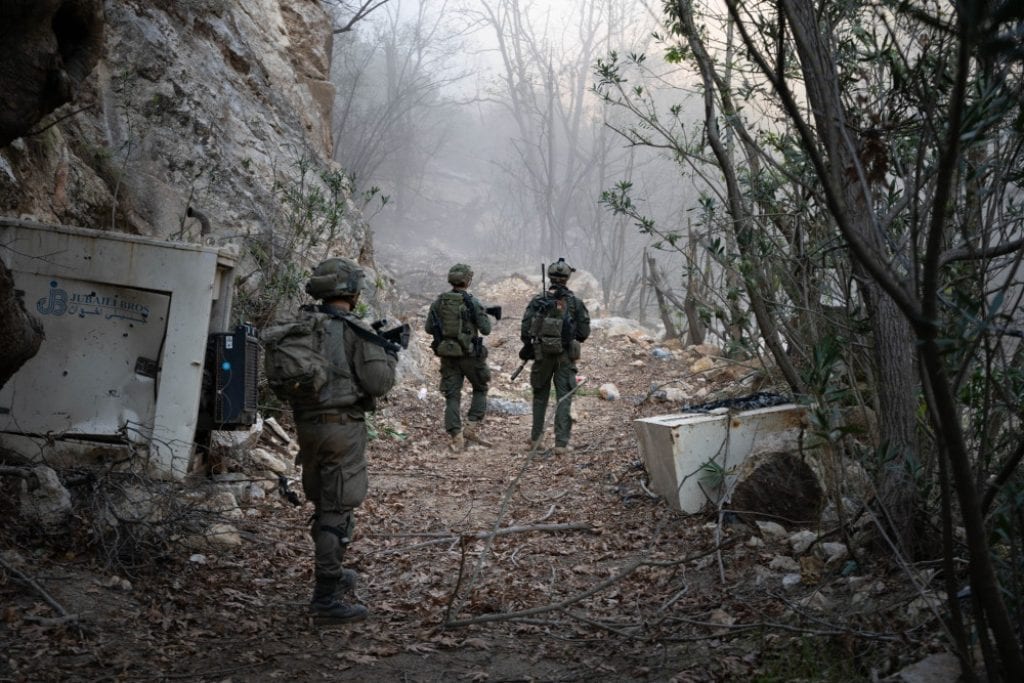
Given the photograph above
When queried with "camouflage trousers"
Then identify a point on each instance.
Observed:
(561, 371)
(333, 460)
(454, 371)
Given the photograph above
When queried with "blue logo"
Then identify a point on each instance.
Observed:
(58, 302)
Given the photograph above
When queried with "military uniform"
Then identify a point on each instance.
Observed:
(472, 366)
(558, 369)
(333, 439)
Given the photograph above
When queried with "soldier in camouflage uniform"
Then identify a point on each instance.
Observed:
(554, 353)
(332, 433)
(457, 320)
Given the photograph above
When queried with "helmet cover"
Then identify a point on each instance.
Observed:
(335, 277)
(560, 269)
(460, 274)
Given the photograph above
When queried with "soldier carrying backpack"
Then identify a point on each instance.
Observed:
(554, 325)
(331, 366)
(456, 321)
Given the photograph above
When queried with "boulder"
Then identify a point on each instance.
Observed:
(44, 500)
(616, 327)
(265, 459)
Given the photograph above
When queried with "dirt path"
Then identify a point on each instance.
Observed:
(596, 580)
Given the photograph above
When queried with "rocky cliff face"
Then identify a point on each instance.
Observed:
(220, 105)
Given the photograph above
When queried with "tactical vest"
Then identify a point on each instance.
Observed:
(341, 390)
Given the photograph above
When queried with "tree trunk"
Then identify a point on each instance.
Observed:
(897, 400)
(664, 310)
(20, 334)
(696, 330)
(893, 339)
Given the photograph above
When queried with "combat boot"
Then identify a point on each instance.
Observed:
(562, 450)
(472, 433)
(326, 605)
(458, 443)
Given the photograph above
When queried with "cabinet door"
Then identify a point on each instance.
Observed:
(97, 370)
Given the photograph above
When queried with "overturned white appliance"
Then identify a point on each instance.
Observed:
(691, 457)
(127, 321)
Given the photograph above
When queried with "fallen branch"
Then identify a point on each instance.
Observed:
(504, 531)
(623, 573)
(454, 602)
(650, 494)
(551, 511)
(546, 500)
(25, 578)
(442, 537)
(606, 627)
(51, 621)
(769, 625)
(417, 473)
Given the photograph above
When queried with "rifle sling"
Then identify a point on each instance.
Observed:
(367, 335)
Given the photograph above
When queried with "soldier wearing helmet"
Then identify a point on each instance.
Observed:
(554, 325)
(457, 321)
(332, 432)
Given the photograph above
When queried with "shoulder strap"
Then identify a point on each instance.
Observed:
(468, 300)
(373, 337)
(365, 334)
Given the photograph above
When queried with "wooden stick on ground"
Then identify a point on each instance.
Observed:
(628, 569)
(440, 538)
(25, 578)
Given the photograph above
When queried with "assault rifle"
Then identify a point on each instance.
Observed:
(526, 353)
(493, 311)
(521, 367)
(398, 336)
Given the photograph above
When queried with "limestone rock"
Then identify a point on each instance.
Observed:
(784, 563)
(235, 441)
(609, 392)
(702, 364)
(772, 529)
(273, 428)
(265, 459)
(44, 500)
(198, 102)
(938, 668)
(802, 540)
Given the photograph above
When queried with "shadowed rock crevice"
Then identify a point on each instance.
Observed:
(47, 49)
(782, 489)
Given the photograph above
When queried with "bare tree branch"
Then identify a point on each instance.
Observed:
(358, 15)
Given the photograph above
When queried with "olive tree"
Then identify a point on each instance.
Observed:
(877, 161)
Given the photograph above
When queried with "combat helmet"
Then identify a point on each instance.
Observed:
(559, 271)
(335, 277)
(460, 274)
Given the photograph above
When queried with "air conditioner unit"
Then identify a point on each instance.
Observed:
(230, 379)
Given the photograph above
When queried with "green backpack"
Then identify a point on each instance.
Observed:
(456, 337)
(549, 327)
(293, 358)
